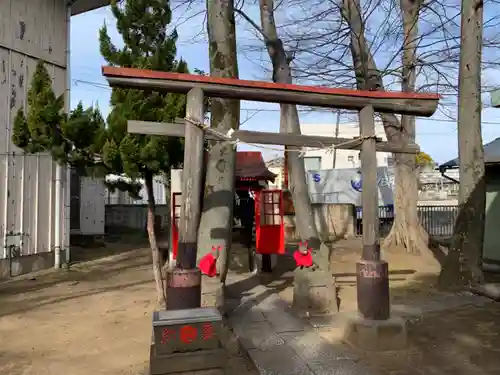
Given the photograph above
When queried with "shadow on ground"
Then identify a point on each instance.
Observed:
(450, 337)
(89, 248)
(85, 279)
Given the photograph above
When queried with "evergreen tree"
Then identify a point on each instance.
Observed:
(73, 140)
(143, 26)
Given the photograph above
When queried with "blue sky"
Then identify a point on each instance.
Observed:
(436, 136)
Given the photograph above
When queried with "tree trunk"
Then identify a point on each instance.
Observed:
(406, 230)
(290, 123)
(463, 263)
(217, 217)
(155, 251)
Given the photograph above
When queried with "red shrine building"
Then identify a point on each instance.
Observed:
(253, 176)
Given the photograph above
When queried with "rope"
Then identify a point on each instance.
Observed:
(301, 151)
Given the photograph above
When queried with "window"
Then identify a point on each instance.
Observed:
(350, 158)
(312, 163)
(389, 161)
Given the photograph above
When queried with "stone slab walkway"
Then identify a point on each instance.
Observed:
(279, 343)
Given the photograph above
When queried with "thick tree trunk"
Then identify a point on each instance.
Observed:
(155, 251)
(217, 217)
(407, 230)
(289, 122)
(463, 263)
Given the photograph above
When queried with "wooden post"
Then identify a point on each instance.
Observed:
(372, 273)
(369, 193)
(184, 281)
(266, 138)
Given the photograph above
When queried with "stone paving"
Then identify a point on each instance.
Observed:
(279, 343)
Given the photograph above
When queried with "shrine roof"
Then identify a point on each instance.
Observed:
(83, 6)
(491, 155)
(250, 165)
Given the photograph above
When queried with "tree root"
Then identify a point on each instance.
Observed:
(413, 238)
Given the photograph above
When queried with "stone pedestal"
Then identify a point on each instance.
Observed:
(313, 292)
(177, 363)
(186, 340)
(376, 335)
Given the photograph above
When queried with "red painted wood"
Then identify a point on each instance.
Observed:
(269, 238)
(111, 71)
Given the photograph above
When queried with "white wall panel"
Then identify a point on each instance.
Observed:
(92, 206)
(29, 30)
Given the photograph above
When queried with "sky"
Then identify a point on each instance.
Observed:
(437, 135)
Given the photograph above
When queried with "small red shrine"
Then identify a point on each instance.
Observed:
(253, 175)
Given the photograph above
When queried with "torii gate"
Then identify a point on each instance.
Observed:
(372, 272)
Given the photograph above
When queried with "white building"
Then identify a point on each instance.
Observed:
(324, 159)
(34, 192)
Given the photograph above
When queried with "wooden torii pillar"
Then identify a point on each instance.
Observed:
(373, 278)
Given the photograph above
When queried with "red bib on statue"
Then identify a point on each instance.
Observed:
(208, 265)
(303, 256)
(303, 259)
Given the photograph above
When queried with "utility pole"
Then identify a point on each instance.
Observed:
(337, 126)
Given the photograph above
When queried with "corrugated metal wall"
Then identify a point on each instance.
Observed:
(29, 30)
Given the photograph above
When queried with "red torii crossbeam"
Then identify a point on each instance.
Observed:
(419, 104)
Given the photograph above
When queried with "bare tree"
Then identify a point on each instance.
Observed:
(289, 122)
(407, 230)
(390, 35)
(463, 263)
(217, 216)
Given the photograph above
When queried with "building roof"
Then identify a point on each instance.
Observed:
(82, 6)
(491, 155)
(250, 166)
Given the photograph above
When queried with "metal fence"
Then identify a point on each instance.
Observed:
(436, 220)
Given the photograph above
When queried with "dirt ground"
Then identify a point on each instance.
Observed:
(96, 319)
(411, 278)
(464, 341)
(93, 319)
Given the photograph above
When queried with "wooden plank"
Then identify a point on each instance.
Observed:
(392, 102)
(267, 138)
(191, 182)
(369, 192)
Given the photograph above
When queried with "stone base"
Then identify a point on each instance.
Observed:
(213, 294)
(175, 363)
(313, 292)
(376, 335)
